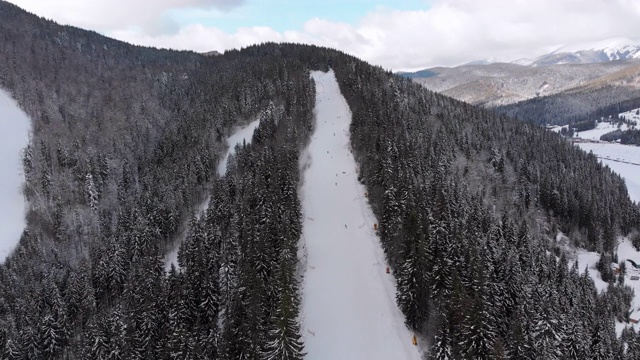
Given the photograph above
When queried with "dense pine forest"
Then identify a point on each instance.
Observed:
(575, 106)
(125, 144)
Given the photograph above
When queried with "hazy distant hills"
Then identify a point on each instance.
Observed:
(590, 66)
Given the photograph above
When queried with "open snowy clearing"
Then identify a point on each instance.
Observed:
(622, 159)
(601, 129)
(348, 300)
(240, 135)
(15, 125)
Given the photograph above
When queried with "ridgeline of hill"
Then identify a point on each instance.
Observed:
(125, 144)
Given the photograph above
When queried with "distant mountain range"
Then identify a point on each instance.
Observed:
(614, 62)
(582, 53)
(603, 51)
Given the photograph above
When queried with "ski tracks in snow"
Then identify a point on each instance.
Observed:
(348, 300)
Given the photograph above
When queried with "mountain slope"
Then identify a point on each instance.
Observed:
(348, 301)
(613, 62)
(125, 144)
(502, 84)
(602, 51)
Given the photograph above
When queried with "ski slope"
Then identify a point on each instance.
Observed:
(348, 300)
(14, 137)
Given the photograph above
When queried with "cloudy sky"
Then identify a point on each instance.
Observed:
(398, 35)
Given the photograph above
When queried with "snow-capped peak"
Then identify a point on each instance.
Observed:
(599, 51)
(611, 44)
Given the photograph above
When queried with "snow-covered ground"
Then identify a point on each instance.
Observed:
(348, 300)
(588, 259)
(240, 135)
(631, 115)
(601, 129)
(623, 159)
(627, 251)
(558, 128)
(14, 137)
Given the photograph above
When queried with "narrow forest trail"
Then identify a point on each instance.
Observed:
(239, 136)
(348, 300)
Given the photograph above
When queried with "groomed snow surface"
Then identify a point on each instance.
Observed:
(348, 300)
(14, 137)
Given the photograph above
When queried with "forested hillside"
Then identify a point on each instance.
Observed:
(574, 106)
(126, 141)
(468, 203)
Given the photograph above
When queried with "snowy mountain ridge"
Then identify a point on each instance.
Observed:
(579, 67)
(586, 53)
(612, 47)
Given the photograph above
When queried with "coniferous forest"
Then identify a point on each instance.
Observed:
(124, 147)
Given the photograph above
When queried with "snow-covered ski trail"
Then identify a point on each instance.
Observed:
(240, 135)
(348, 300)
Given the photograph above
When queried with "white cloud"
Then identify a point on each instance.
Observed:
(449, 32)
(106, 15)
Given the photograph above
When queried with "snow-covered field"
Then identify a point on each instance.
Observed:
(348, 300)
(240, 135)
(621, 159)
(601, 129)
(14, 137)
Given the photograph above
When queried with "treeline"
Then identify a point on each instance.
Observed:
(468, 203)
(577, 105)
(627, 137)
(124, 146)
(125, 143)
(630, 137)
